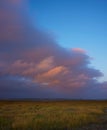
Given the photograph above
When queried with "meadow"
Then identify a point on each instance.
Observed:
(53, 115)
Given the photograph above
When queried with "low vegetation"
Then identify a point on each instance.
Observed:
(53, 115)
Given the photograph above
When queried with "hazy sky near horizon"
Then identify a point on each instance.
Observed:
(53, 49)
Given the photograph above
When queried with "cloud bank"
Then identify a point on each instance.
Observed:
(32, 64)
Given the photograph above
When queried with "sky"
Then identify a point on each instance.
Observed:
(53, 49)
(76, 23)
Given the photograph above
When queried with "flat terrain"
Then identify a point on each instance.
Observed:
(53, 115)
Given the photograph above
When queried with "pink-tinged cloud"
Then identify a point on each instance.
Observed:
(33, 64)
(78, 50)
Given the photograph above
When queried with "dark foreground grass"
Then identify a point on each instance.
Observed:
(53, 115)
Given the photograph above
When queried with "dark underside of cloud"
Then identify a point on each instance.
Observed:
(33, 65)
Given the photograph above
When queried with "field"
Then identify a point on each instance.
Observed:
(53, 115)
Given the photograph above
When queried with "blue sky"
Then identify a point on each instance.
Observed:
(76, 24)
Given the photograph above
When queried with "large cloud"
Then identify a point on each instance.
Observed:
(35, 62)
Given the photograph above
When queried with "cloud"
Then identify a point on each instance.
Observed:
(46, 64)
(78, 50)
(31, 61)
(19, 87)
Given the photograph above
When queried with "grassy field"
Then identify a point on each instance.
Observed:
(53, 115)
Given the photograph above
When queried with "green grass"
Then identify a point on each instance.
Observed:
(52, 115)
